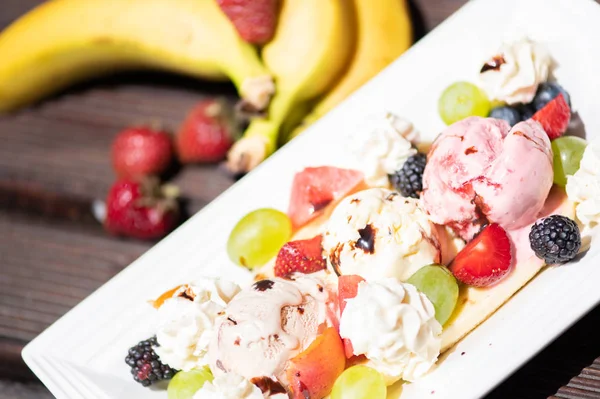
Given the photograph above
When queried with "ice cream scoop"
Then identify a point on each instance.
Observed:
(480, 170)
(377, 233)
(270, 322)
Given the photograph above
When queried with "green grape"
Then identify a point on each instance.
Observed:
(186, 383)
(258, 236)
(359, 382)
(568, 151)
(461, 100)
(439, 285)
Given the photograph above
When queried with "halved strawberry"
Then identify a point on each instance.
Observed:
(347, 288)
(554, 117)
(485, 260)
(304, 256)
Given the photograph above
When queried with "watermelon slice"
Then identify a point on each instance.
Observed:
(315, 188)
(347, 288)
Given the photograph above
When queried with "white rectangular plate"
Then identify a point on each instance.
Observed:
(82, 354)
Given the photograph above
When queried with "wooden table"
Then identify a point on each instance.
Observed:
(54, 162)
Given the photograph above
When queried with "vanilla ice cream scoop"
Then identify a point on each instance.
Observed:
(268, 323)
(378, 233)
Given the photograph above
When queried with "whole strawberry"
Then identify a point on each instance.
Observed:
(207, 133)
(255, 20)
(141, 151)
(141, 209)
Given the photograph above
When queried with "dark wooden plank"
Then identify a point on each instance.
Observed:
(46, 270)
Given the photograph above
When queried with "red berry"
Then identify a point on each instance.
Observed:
(141, 151)
(485, 260)
(304, 256)
(140, 209)
(255, 20)
(554, 117)
(207, 133)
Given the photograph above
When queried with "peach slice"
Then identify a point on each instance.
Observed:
(312, 373)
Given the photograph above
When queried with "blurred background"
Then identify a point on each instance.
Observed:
(65, 141)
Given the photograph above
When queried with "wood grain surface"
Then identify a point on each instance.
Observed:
(54, 162)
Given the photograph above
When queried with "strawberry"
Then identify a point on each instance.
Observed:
(347, 288)
(255, 20)
(140, 209)
(207, 133)
(554, 117)
(304, 256)
(485, 259)
(141, 151)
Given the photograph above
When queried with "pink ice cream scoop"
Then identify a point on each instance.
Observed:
(270, 322)
(480, 170)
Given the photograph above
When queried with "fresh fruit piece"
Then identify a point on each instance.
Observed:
(555, 239)
(525, 110)
(546, 92)
(258, 236)
(507, 113)
(485, 259)
(409, 179)
(321, 34)
(461, 100)
(359, 382)
(185, 384)
(158, 302)
(384, 33)
(254, 20)
(554, 117)
(315, 188)
(141, 209)
(568, 151)
(347, 288)
(207, 132)
(303, 256)
(312, 373)
(146, 367)
(61, 42)
(141, 151)
(439, 285)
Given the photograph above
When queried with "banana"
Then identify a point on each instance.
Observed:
(64, 41)
(312, 44)
(384, 33)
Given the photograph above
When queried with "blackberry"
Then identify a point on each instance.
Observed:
(146, 367)
(409, 180)
(555, 239)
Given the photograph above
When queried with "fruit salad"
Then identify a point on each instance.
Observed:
(374, 271)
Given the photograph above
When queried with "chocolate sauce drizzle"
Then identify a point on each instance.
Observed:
(263, 285)
(366, 242)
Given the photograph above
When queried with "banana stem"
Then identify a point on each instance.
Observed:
(250, 76)
(260, 138)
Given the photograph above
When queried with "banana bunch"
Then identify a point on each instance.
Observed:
(321, 52)
(64, 41)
